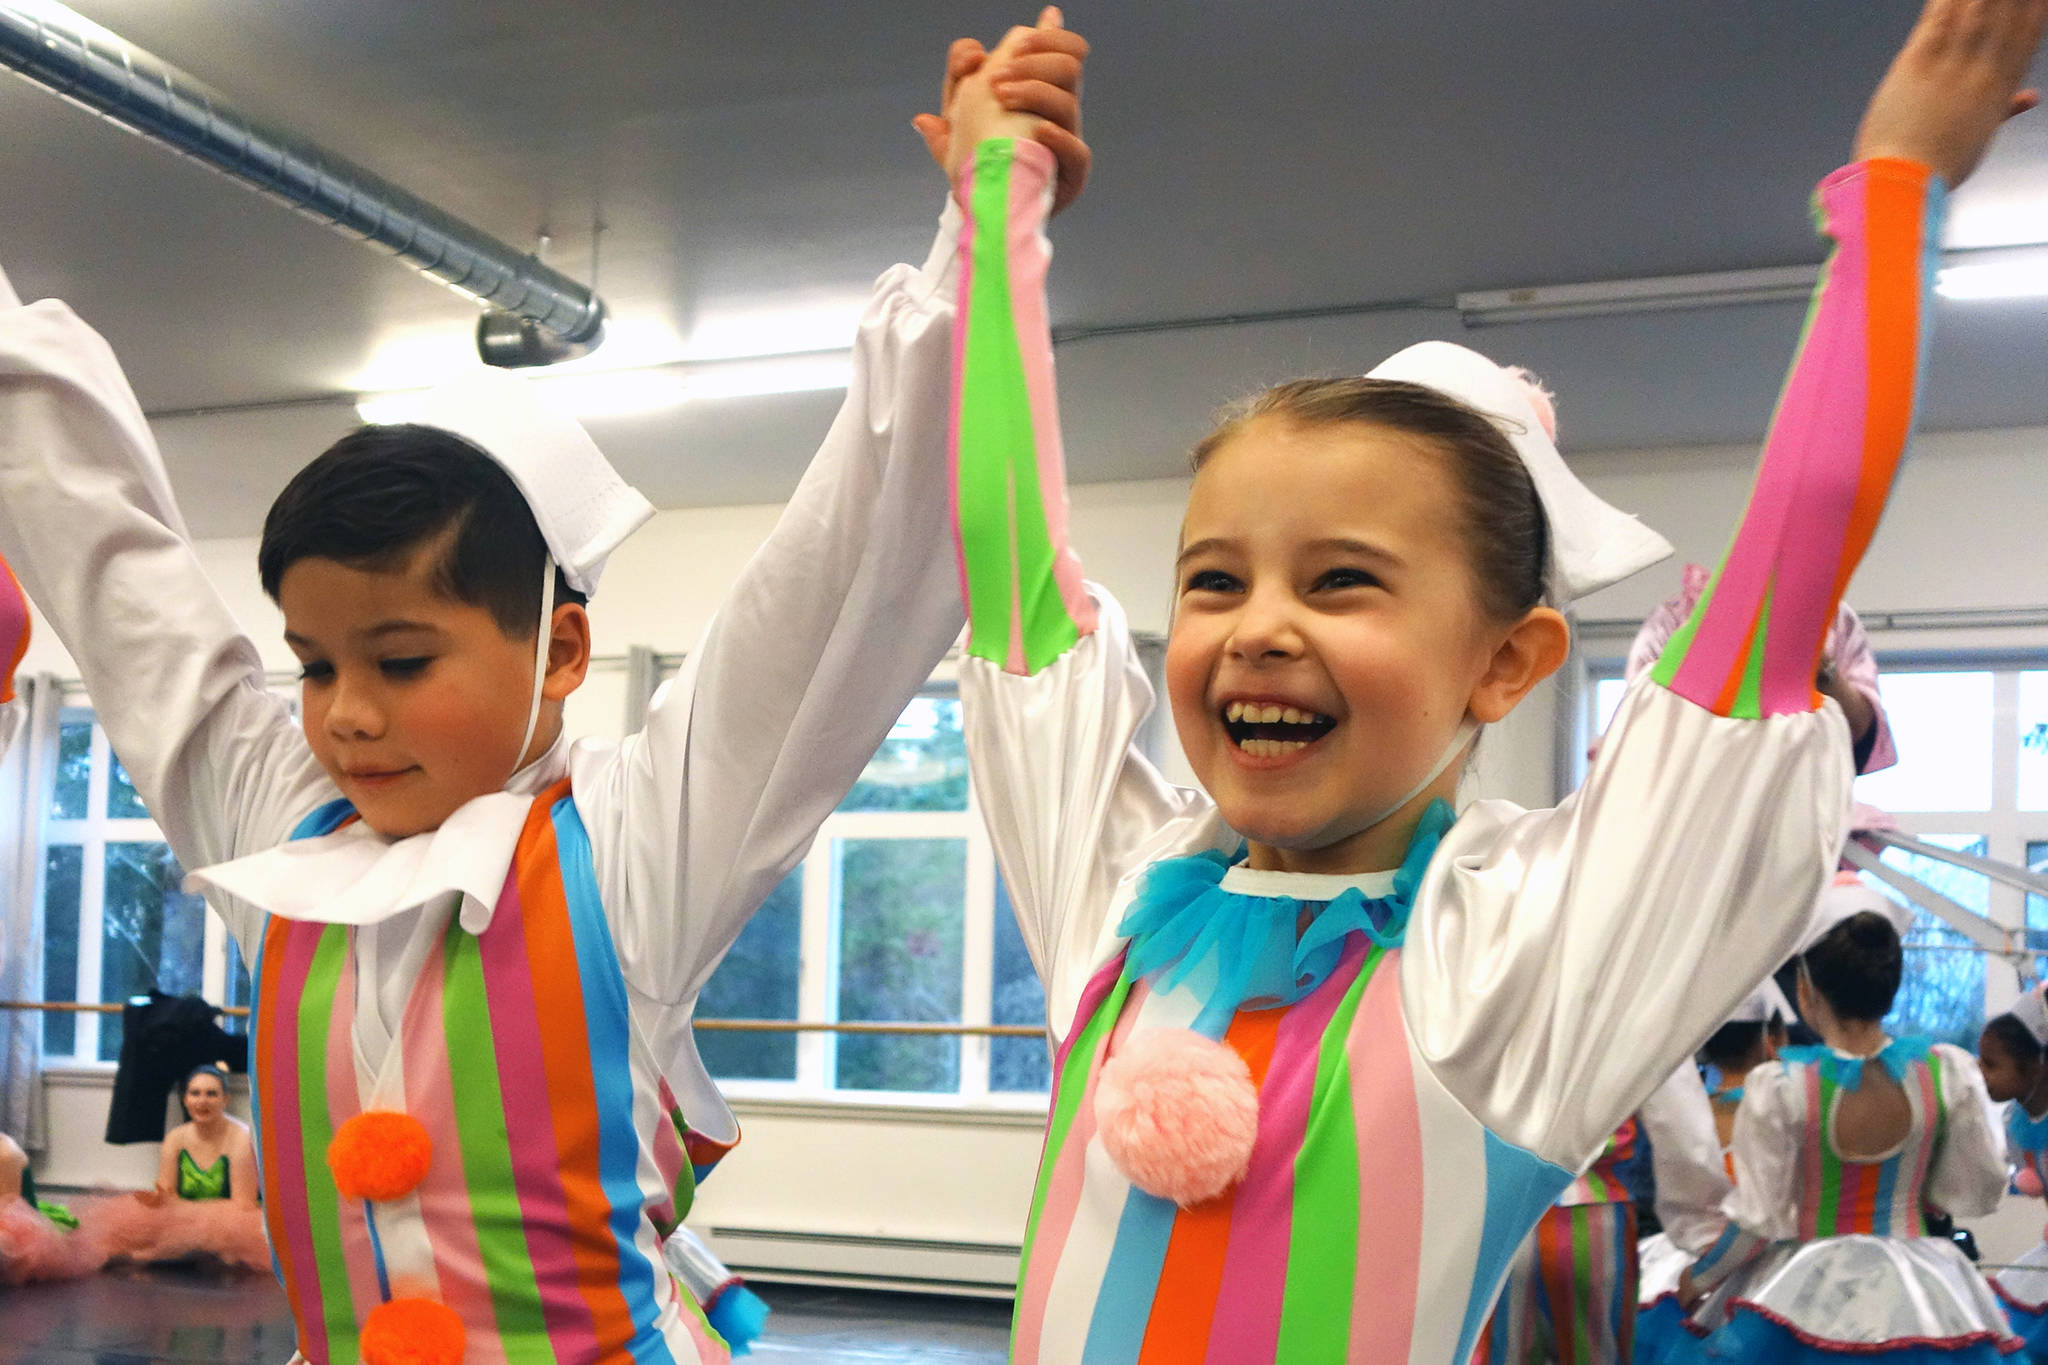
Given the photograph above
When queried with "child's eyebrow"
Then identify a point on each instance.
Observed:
(383, 628)
(1363, 548)
(1201, 547)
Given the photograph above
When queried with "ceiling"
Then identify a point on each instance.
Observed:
(757, 159)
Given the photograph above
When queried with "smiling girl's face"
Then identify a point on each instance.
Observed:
(1328, 639)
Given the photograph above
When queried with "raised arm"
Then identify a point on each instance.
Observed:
(1682, 872)
(832, 627)
(88, 523)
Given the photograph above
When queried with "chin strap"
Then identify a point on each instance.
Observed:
(1460, 739)
(540, 658)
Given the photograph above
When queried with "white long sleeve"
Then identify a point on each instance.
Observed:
(831, 628)
(1685, 1157)
(1967, 1177)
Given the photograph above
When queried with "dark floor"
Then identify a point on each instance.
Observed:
(139, 1317)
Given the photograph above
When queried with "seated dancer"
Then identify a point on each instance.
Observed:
(2013, 1052)
(39, 1240)
(204, 1205)
(1839, 1151)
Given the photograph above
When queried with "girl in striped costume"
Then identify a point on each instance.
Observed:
(1839, 1149)
(2014, 1054)
(1326, 1050)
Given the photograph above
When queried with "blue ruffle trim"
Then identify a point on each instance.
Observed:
(1182, 917)
(1847, 1072)
(1752, 1339)
(2029, 1134)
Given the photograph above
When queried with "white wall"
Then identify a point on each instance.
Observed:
(1963, 533)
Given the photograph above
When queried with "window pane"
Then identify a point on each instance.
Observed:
(922, 765)
(1942, 722)
(151, 933)
(2033, 756)
(757, 980)
(900, 906)
(74, 770)
(122, 801)
(1016, 1063)
(1607, 694)
(239, 990)
(1942, 993)
(63, 879)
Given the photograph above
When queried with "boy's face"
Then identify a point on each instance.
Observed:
(414, 703)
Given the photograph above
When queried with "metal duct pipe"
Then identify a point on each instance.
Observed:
(89, 66)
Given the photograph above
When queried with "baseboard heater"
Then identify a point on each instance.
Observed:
(914, 1264)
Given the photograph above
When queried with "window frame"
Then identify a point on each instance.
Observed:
(2005, 828)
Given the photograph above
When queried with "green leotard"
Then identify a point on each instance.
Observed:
(194, 1183)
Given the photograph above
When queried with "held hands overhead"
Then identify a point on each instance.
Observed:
(1029, 87)
(1953, 83)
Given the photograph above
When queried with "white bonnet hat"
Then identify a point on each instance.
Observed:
(583, 507)
(1764, 1004)
(2031, 1009)
(1851, 895)
(1591, 543)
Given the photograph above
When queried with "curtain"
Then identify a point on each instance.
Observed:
(27, 771)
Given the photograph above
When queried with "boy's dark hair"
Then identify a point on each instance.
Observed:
(380, 494)
(2022, 1046)
(1735, 1045)
(1856, 966)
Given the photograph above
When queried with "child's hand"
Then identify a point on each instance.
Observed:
(1953, 83)
(1030, 86)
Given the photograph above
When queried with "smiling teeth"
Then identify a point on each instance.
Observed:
(1272, 748)
(1253, 713)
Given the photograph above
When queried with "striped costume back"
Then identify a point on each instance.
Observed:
(1882, 1198)
(559, 1158)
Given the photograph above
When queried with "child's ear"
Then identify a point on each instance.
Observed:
(568, 652)
(1535, 647)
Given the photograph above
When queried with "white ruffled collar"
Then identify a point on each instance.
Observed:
(358, 876)
(1305, 886)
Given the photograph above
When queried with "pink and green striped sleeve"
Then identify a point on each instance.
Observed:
(1022, 584)
(1753, 644)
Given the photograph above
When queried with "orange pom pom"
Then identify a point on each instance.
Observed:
(413, 1332)
(379, 1154)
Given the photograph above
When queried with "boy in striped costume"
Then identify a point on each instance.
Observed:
(476, 946)
(1325, 1050)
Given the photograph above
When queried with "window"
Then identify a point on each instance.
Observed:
(115, 922)
(1972, 775)
(896, 916)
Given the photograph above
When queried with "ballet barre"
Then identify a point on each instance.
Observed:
(915, 1030)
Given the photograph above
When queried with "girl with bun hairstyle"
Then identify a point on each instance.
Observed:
(1839, 1151)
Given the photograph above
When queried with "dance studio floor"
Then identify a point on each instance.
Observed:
(147, 1317)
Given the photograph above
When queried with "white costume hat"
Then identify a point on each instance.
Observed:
(2031, 1009)
(1591, 543)
(1764, 1004)
(582, 505)
(1851, 895)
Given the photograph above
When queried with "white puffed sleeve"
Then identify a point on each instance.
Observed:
(1685, 1157)
(1968, 1174)
(1072, 806)
(1618, 930)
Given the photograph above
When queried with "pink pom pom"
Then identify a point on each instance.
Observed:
(1177, 1114)
(1540, 399)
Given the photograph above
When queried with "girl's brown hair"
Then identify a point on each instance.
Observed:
(1507, 539)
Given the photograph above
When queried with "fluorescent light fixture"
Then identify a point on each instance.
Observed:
(1995, 273)
(621, 393)
(1656, 294)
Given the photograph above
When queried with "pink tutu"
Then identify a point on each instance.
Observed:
(32, 1248)
(176, 1230)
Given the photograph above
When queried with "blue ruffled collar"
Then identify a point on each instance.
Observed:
(1183, 918)
(1897, 1058)
(2029, 1134)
